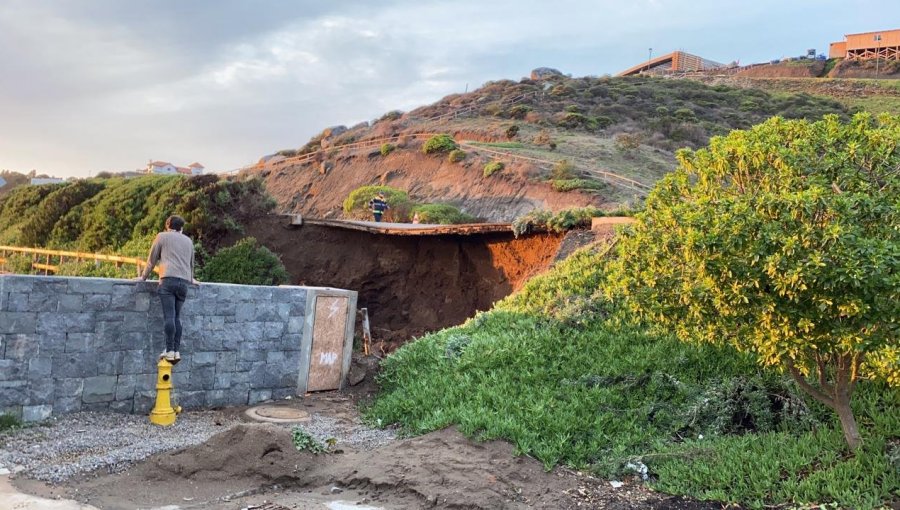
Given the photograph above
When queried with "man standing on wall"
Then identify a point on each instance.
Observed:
(378, 206)
(174, 252)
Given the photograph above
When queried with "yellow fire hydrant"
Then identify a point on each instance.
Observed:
(163, 413)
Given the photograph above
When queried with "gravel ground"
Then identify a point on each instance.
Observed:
(61, 448)
(79, 443)
(355, 434)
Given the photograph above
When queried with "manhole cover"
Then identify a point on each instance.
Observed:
(277, 414)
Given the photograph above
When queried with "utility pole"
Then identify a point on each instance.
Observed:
(877, 53)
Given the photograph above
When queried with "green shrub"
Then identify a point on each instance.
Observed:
(439, 143)
(37, 227)
(627, 142)
(387, 148)
(685, 115)
(18, 263)
(493, 167)
(245, 263)
(456, 155)
(99, 269)
(444, 214)
(564, 185)
(561, 221)
(563, 170)
(304, 441)
(519, 111)
(356, 205)
(9, 422)
(512, 131)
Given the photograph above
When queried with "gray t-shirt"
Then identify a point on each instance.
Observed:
(174, 252)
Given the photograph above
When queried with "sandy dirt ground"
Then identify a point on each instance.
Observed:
(254, 465)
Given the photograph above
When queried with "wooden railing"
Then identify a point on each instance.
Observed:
(49, 261)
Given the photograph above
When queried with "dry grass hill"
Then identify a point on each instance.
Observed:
(616, 136)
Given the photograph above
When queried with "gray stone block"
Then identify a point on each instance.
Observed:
(53, 343)
(147, 382)
(295, 325)
(282, 393)
(110, 363)
(68, 388)
(125, 386)
(143, 402)
(39, 392)
(257, 396)
(11, 410)
(208, 341)
(95, 407)
(225, 361)
(18, 322)
(69, 303)
(42, 302)
(202, 378)
(39, 367)
(90, 285)
(18, 283)
(12, 370)
(253, 332)
(203, 359)
(222, 381)
(36, 413)
(21, 347)
(274, 330)
(142, 302)
(244, 312)
(251, 352)
(76, 364)
(97, 302)
(13, 393)
(240, 378)
(122, 406)
(70, 322)
(133, 362)
(275, 357)
(291, 342)
(99, 389)
(18, 302)
(66, 405)
(80, 342)
(261, 377)
(190, 399)
(53, 286)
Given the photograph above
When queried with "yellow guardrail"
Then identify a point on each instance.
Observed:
(49, 260)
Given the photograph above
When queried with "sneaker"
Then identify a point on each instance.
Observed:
(170, 356)
(177, 357)
(163, 354)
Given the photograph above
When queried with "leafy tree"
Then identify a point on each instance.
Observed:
(493, 167)
(246, 263)
(783, 240)
(444, 214)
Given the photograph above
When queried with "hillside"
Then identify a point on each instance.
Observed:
(609, 131)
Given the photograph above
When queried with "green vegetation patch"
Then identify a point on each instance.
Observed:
(439, 143)
(564, 185)
(456, 155)
(356, 205)
(552, 370)
(493, 167)
(444, 214)
(245, 263)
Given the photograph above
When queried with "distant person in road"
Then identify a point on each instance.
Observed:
(174, 252)
(378, 206)
(416, 219)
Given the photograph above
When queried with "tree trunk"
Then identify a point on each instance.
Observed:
(835, 395)
(848, 422)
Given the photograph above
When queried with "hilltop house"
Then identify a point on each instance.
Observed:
(165, 168)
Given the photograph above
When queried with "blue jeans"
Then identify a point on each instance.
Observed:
(172, 293)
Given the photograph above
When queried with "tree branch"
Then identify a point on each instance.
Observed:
(804, 384)
(823, 370)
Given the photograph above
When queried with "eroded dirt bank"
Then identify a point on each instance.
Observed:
(409, 284)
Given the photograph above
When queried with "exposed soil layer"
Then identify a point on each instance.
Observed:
(409, 284)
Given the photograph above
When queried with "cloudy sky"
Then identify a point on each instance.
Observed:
(94, 85)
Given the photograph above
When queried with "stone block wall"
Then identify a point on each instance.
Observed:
(70, 344)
